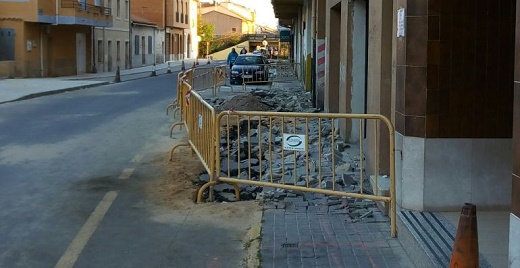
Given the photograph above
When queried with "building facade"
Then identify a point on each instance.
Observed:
(229, 18)
(112, 45)
(148, 43)
(49, 38)
(193, 39)
(177, 29)
(445, 72)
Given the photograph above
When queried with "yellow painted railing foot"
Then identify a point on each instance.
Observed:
(202, 189)
(175, 112)
(175, 147)
(170, 106)
(173, 126)
(237, 191)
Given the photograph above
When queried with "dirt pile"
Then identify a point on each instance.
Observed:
(246, 102)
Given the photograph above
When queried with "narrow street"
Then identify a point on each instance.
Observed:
(74, 172)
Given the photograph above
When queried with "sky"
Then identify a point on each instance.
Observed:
(264, 11)
(263, 8)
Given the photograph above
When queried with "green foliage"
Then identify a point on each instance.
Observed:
(225, 41)
(205, 31)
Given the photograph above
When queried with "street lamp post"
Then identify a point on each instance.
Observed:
(207, 49)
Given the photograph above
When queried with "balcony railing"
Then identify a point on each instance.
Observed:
(83, 6)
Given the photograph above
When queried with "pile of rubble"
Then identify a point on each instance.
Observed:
(255, 152)
(276, 99)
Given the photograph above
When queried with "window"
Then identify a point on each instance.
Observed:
(150, 45)
(143, 44)
(186, 14)
(136, 47)
(83, 4)
(97, 3)
(118, 8)
(118, 50)
(177, 11)
(127, 9)
(7, 44)
(100, 50)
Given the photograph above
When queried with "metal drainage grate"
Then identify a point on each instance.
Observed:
(289, 245)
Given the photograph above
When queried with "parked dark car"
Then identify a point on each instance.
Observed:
(249, 68)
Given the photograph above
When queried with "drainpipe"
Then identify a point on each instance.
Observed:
(153, 45)
(57, 12)
(130, 41)
(105, 52)
(41, 52)
(93, 41)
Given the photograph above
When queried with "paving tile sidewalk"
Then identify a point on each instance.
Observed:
(305, 230)
(303, 234)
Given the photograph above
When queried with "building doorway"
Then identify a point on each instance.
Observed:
(81, 53)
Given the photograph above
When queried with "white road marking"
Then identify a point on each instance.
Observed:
(72, 253)
(126, 173)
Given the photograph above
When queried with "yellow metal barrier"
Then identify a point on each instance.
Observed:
(203, 78)
(266, 73)
(220, 79)
(296, 151)
(175, 103)
(200, 125)
(181, 96)
(183, 102)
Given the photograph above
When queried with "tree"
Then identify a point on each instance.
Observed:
(205, 31)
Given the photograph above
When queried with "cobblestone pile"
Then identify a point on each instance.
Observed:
(255, 152)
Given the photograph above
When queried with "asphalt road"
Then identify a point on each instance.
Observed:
(70, 185)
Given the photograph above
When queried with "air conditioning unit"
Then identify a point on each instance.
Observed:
(107, 12)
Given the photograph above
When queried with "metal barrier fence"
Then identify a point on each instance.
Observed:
(175, 103)
(183, 96)
(203, 78)
(296, 151)
(199, 120)
(220, 79)
(213, 78)
(266, 73)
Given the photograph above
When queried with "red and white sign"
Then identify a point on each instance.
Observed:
(320, 65)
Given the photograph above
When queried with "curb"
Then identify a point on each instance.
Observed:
(58, 91)
(253, 250)
(53, 92)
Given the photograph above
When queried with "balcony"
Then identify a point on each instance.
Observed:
(83, 13)
(286, 10)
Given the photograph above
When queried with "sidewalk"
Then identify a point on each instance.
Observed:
(311, 230)
(26, 88)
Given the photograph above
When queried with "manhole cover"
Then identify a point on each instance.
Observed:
(289, 245)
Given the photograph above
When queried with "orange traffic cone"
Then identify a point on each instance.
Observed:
(465, 250)
(117, 79)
